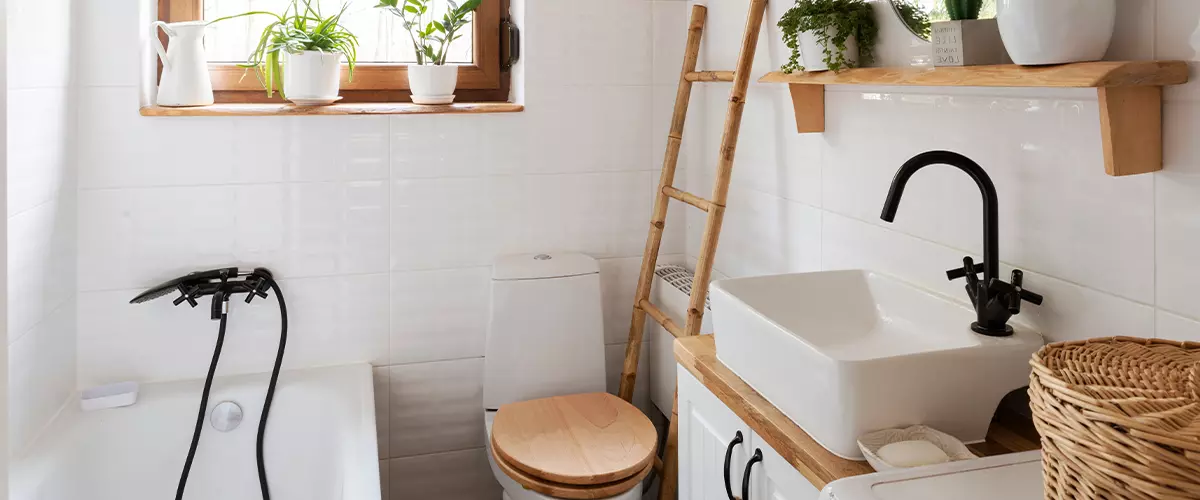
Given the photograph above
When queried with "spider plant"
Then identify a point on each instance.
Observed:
(301, 27)
(431, 38)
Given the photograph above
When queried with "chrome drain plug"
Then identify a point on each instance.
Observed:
(226, 416)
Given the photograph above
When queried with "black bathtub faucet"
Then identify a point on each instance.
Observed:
(995, 301)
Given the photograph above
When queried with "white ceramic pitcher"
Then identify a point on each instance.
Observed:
(185, 80)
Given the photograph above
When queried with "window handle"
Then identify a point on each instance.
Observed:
(737, 439)
(758, 457)
(512, 42)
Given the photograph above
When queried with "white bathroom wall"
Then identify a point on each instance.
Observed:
(41, 215)
(1113, 256)
(382, 228)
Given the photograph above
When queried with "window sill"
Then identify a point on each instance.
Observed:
(385, 108)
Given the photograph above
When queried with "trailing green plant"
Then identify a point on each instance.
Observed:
(913, 16)
(963, 9)
(301, 27)
(832, 22)
(431, 38)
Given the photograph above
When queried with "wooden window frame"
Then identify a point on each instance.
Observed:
(482, 81)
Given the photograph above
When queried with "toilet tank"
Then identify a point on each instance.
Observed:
(546, 333)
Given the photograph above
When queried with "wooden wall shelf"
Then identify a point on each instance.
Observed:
(1130, 94)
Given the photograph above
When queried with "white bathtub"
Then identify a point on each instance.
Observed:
(320, 443)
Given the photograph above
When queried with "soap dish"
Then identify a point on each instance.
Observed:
(871, 442)
(109, 396)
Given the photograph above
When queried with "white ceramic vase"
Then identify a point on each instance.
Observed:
(1039, 32)
(812, 51)
(312, 76)
(432, 84)
(185, 80)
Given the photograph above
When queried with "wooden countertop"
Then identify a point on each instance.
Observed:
(699, 356)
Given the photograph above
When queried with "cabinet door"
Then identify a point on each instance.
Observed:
(706, 429)
(775, 479)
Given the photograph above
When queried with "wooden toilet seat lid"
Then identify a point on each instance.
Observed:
(571, 491)
(580, 439)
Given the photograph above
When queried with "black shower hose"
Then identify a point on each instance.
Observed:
(262, 422)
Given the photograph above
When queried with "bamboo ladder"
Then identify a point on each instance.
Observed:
(714, 207)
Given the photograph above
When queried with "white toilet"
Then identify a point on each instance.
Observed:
(553, 432)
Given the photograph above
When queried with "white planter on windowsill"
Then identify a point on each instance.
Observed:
(312, 77)
(432, 84)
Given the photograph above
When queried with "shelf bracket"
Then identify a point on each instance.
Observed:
(1131, 129)
(809, 104)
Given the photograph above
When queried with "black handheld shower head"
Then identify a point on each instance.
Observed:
(185, 282)
(220, 283)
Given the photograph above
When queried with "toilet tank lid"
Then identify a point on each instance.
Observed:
(541, 266)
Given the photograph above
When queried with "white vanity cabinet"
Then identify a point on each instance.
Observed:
(708, 431)
(775, 479)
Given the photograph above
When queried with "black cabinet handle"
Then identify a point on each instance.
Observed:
(737, 439)
(746, 478)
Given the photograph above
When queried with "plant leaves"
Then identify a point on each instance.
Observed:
(469, 6)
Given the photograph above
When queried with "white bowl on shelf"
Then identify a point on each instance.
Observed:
(870, 444)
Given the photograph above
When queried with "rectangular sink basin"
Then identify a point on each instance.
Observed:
(844, 353)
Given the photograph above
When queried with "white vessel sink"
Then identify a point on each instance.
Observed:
(843, 353)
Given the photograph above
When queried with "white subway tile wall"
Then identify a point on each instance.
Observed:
(41, 215)
(1113, 256)
(381, 228)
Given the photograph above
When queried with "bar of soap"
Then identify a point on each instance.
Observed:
(912, 454)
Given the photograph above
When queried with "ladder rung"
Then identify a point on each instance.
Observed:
(688, 198)
(709, 76)
(661, 318)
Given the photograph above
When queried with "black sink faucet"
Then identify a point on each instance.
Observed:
(995, 301)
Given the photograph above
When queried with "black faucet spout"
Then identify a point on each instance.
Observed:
(991, 226)
(995, 301)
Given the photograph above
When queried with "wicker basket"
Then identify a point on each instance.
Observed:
(1119, 418)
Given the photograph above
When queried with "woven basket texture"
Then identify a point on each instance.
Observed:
(1119, 417)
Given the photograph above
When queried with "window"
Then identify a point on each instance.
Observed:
(381, 74)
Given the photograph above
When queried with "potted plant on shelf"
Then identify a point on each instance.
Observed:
(966, 40)
(300, 53)
(431, 80)
(829, 34)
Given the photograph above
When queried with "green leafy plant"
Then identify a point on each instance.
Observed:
(431, 37)
(301, 27)
(833, 22)
(963, 9)
(913, 16)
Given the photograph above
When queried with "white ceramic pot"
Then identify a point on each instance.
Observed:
(812, 51)
(432, 84)
(312, 75)
(1056, 31)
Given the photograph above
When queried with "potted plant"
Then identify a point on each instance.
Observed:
(299, 54)
(1040, 32)
(829, 34)
(431, 80)
(966, 40)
